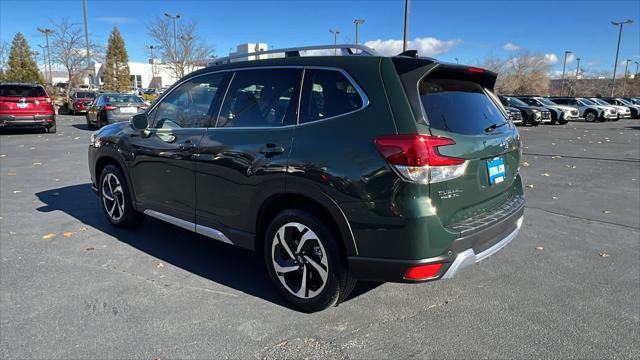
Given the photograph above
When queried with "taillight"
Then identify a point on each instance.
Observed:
(109, 107)
(417, 159)
(423, 272)
(475, 70)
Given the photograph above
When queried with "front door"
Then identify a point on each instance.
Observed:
(245, 155)
(163, 156)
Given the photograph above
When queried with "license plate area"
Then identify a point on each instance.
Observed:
(128, 110)
(495, 169)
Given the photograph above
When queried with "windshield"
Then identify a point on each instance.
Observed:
(22, 91)
(625, 102)
(459, 106)
(85, 95)
(600, 101)
(122, 99)
(515, 102)
(587, 102)
(546, 101)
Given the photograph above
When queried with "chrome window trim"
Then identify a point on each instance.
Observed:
(188, 225)
(359, 90)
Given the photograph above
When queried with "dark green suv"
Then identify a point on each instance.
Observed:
(336, 168)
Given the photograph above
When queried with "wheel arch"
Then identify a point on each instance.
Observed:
(110, 157)
(319, 204)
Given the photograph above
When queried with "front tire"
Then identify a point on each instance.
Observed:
(590, 116)
(116, 200)
(304, 262)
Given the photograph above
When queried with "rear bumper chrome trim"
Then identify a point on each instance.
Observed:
(468, 257)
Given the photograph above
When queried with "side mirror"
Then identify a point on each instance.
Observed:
(139, 121)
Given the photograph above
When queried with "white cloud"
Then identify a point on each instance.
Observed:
(114, 19)
(426, 46)
(551, 58)
(511, 47)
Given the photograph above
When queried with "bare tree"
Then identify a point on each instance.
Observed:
(524, 73)
(68, 49)
(189, 52)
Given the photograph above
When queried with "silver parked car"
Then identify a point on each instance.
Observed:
(560, 114)
(624, 112)
(587, 109)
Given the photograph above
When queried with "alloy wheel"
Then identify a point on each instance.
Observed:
(591, 117)
(299, 260)
(113, 197)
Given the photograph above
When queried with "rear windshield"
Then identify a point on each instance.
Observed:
(81, 95)
(22, 91)
(459, 106)
(122, 99)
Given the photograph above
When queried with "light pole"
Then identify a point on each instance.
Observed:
(335, 33)
(564, 65)
(44, 61)
(615, 64)
(457, 62)
(577, 68)
(175, 39)
(624, 81)
(406, 25)
(86, 42)
(153, 62)
(358, 22)
(46, 33)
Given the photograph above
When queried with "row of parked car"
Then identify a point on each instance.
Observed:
(103, 108)
(535, 110)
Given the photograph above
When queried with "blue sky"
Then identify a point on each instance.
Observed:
(468, 30)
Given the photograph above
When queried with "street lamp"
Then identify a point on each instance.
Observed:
(46, 33)
(406, 25)
(358, 22)
(90, 70)
(624, 81)
(175, 39)
(153, 62)
(456, 59)
(577, 68)
(335, 33)
(564, 65)
(615, 64)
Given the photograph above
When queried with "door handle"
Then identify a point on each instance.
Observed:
(187, 146)
(271, 149)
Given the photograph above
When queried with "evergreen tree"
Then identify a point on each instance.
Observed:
(22, 67)
(116, 74)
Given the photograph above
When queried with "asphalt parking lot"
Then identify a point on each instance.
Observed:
(72, 286)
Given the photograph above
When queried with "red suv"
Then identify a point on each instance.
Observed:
(26, 105)
(79, 101)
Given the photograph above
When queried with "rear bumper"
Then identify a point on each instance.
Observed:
(465, 251)
(27, 120)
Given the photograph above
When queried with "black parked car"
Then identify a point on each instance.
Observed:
(531, 115)
(515, 115)
(334, 168)
(109, 108)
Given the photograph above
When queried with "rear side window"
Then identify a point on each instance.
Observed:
(261, 98)
(327, 93)
(459, 106)
(22, 91)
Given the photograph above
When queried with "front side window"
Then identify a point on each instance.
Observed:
(189, 104)
(327, 93)
(261, 98)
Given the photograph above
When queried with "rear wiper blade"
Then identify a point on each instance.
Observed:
(494, 126)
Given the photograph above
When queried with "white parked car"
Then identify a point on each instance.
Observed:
(587, 109)
(624, 112)
(560, 114)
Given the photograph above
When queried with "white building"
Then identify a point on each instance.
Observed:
(143, 75)
(249, 48)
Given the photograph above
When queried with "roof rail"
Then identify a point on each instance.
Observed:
(345, 50)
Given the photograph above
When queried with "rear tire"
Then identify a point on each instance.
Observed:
(311, 274)
(115, 199)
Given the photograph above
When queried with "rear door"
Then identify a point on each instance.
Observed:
(163, 156)
(244, 154)
(458, 104)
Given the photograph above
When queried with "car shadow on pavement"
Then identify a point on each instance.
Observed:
(26, 130)
(83, 127)
(225, 264)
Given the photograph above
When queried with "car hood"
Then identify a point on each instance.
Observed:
(561, 107)
(527, 107)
